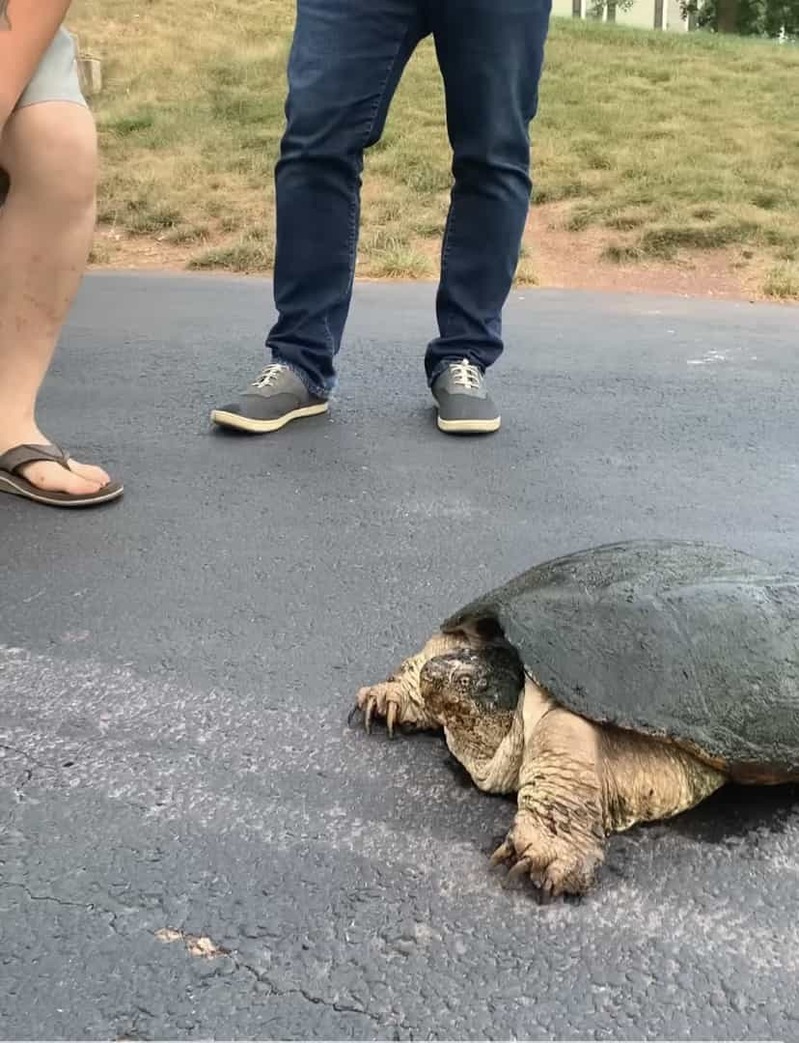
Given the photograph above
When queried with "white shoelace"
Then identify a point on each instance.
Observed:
(466, 374)
(269, 375)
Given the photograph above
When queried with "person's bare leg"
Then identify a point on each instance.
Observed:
(46, 225)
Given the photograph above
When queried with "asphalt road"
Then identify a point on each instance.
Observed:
(176, 672)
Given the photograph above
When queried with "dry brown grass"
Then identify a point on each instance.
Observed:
(670, 144)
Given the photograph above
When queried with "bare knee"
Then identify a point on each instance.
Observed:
(49, 151)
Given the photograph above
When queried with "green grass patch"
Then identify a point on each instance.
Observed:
(250, 254)
(782, 281)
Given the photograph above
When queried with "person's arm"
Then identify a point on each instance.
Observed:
(27, 28)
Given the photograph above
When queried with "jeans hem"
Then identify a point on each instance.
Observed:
(317, 390)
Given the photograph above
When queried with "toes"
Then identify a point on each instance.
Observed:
(90, 473)
(55, 478)
(79, 479)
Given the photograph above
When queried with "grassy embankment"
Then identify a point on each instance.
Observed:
(666, 148)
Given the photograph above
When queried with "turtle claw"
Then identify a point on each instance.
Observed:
(353, 714)
(502, 853)
(555, 868)
(518, 867)
(367, 720)
(522, 868)
(386, 700)
(545, 893)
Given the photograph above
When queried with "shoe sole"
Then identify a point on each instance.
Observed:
(260, 427)
(469, 427)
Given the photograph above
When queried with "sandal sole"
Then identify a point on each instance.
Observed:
(19, 487)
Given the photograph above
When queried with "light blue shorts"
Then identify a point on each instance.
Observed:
(56, 76)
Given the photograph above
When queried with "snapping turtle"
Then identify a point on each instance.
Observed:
(621, 684)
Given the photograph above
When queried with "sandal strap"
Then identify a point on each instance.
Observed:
(21, 455)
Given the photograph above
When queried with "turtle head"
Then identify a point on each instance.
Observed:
(472, 684)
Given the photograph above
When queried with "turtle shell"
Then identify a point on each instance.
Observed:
(685, 641)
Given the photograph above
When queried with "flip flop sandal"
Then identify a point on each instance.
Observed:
(12, 481)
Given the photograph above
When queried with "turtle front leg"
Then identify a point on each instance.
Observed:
(579, 782)
(557, 836)
(398, 699)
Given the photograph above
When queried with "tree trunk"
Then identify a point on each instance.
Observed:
(727, 16)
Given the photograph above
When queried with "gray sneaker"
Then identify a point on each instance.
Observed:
(275, 398)
(464, 405)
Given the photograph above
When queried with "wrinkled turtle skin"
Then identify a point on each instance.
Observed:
(686, 641)
(619, 685)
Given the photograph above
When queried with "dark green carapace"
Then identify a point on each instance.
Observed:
(686, 641)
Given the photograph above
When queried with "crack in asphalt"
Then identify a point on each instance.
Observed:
(23, 753)
(22, 780)
(340, 1008)
(19, 785)
(232, 954)
(240, 964)
(86, 906)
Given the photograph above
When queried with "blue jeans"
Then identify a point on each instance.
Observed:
(346, 60)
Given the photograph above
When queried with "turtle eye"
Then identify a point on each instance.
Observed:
(464, 683)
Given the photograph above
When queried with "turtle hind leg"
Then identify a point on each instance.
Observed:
(647, 779)
(398, 699)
